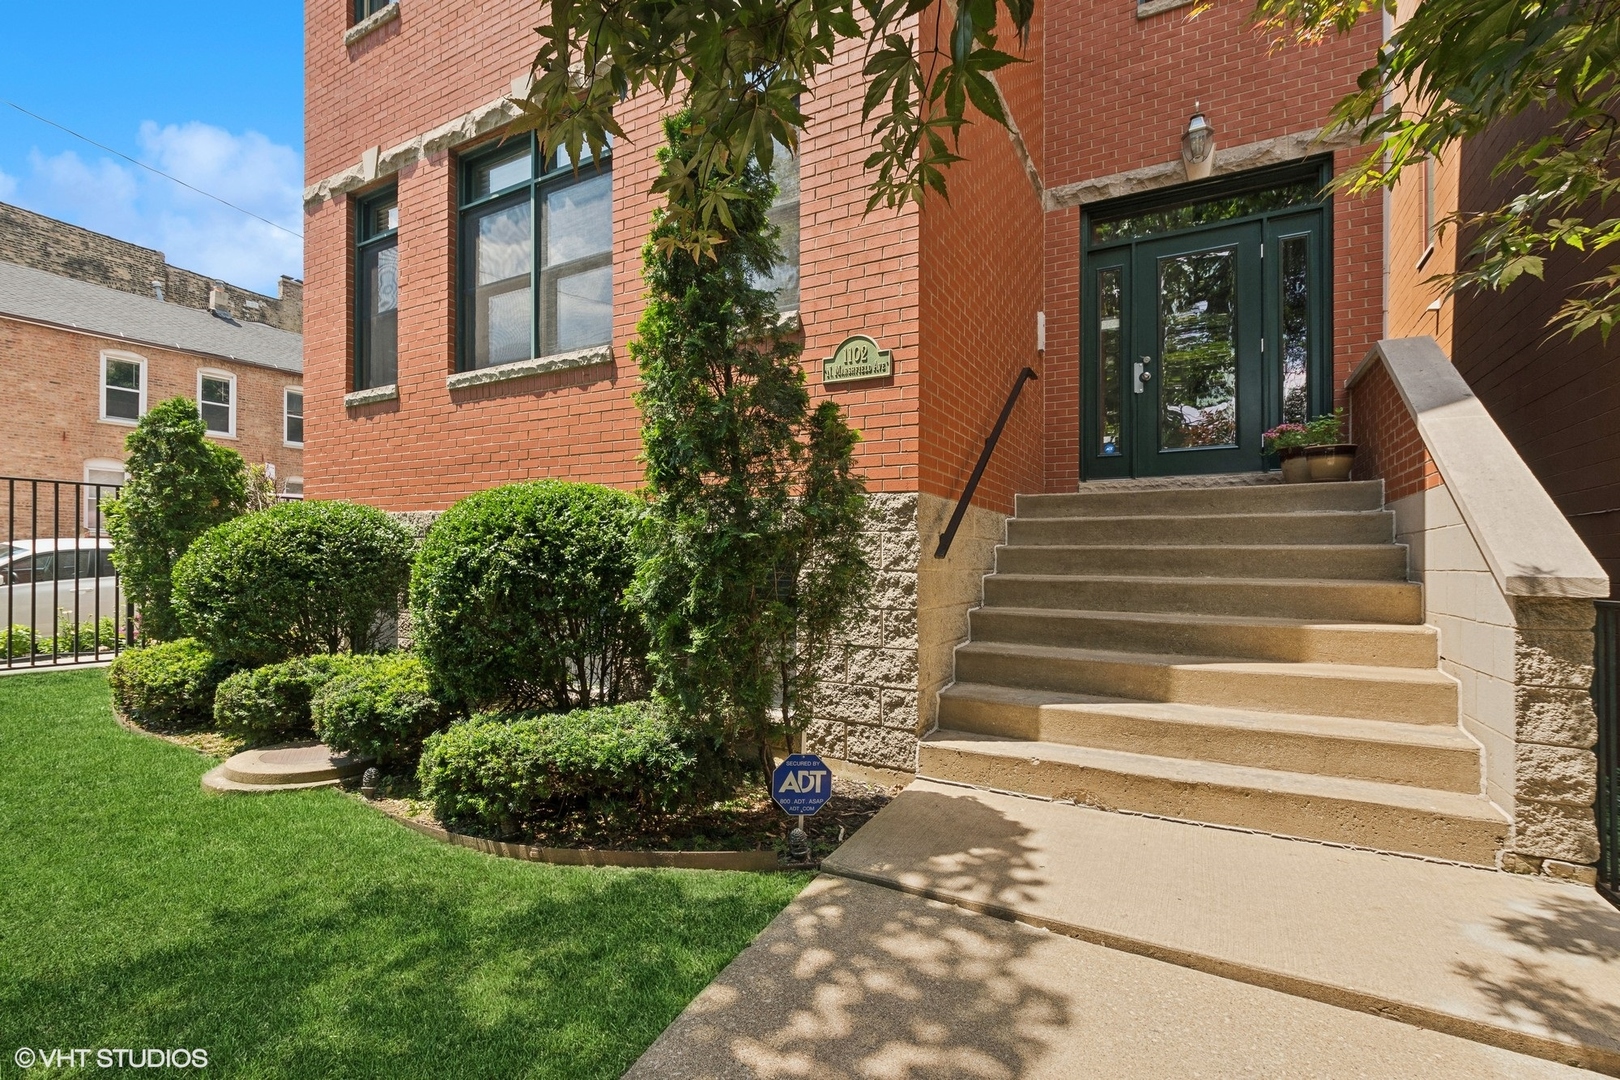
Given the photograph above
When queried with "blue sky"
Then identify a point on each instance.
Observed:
(212, 93)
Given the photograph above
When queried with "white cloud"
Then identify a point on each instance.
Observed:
(192, 230)
(8, 184)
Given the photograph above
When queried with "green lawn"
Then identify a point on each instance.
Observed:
(304, 935)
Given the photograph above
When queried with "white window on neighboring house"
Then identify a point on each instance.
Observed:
(293, 416)
(102, 478)
(216, 402)
(123, 387)
(293, 488)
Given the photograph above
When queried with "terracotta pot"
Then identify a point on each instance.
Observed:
(1296, 467)
(1330, 462)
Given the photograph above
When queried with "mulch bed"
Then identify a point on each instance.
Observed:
(748, 822)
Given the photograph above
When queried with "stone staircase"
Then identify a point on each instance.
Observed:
(1248, 655)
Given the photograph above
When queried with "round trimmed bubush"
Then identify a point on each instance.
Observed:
(168, 686)
(379, 707)
(517, 598)
(274, 701)
(506, 771)
(296, 579)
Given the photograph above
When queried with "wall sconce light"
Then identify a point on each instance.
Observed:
(1198, 146)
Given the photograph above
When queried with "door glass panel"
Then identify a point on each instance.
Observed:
(1296, 337)
(1198, 350)
(1110, 378)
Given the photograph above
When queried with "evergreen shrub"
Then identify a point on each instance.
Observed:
(293, 580)
(506, 772)
(168, 686)
(180, 485)
(274, 701)
(378, 707)
(517, 598)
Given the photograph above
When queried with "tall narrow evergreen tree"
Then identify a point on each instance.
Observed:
(751, 546)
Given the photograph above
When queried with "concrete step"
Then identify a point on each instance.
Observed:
(1228, 499)
(1402, 695)
(1287, 598)
(291, 766)
(1388, 817)
(1321, 527)
(1371, 562)
(1416, 755)
(1236, 636)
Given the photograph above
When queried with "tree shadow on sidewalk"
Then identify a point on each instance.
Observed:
(856, 980)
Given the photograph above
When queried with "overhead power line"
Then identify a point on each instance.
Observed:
(150, 169)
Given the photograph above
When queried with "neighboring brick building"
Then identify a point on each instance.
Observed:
(100, 330)
(422, 387)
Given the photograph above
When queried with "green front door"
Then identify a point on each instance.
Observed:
(1205, 324)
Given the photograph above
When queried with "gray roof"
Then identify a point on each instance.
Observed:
(48, 298)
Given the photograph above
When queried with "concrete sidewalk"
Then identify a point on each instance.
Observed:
(858, 981)
(1524, 964)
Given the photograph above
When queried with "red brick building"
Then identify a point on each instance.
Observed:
(444, 356)
(101, 330)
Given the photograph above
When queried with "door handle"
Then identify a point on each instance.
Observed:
(1140, 373)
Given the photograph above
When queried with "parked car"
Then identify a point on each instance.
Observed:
(51, 586)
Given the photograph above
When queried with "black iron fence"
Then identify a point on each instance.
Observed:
(1606, 696)
(62, 600)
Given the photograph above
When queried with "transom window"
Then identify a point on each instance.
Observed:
(536, 255)
(376, 336)
(293, 417)
(216, 402)
(123, 387)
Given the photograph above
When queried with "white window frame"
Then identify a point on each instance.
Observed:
(214, 373)
(286, 414)
(101, 386)
(299, 494)
(99, 465)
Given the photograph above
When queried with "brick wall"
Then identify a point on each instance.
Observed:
(1388, 445)
(34, 240)
(980, 258)
(60, 398)
(432, 444)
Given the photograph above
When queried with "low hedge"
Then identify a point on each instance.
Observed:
(169, 686)
(504, 772)
(294, 580)
(379, 707)
(274, 701)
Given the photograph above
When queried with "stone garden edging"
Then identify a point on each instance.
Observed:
(668, 860)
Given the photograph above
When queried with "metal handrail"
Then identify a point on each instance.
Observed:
(949, 534)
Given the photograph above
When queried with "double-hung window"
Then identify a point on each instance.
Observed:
(216, 402)
(123, 387)
(536, 255)
(376, 354)
(293, 416)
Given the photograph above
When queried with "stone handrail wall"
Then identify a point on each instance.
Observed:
(1506, 582)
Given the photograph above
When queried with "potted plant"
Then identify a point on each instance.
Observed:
(1287, 441)
(1328, 456)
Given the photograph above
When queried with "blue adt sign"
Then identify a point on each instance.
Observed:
(802, 784)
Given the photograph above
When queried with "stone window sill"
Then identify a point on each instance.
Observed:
(540, 365)
(1146, 8)
(371, 396)
(375, 21)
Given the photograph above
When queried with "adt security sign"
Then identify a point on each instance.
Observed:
(802, 784)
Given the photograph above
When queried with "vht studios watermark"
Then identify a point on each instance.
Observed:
(28, 1057)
